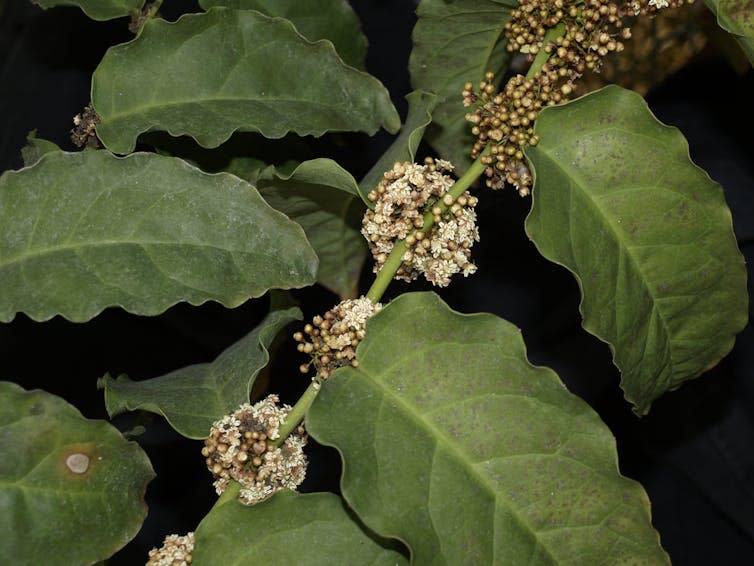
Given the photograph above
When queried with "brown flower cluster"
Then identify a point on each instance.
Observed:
(239, 447)
(504, 120)
(175, 551)
(334, 336)
(406, 193)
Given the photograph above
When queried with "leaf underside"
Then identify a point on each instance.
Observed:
(453, 443)
(80, 232)
(47, 501)
(646, 233)
(289, 528)
(97, 9)
(737, 18)
(456, 41)
(194, 397)
(209, 75)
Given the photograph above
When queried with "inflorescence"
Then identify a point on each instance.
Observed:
(405, 194)
(334, 336)
(505, 119)
(175, 551)
(239, 448)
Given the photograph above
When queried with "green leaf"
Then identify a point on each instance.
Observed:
(333, 20)
(456, 41)
(80, 232)
(420, 107)
(646, 233)
(97, 9)
(36, 148)
(208, 75)
(62, 476)
(322, 197)
(455, 444)
(737, 18)
(194, 397)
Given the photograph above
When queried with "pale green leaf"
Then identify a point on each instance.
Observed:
(453, 443)
(322, 197)
(289, 528)
(208, 75)
(62, 476)
(333, 20)
(646, 233)
(97, 9)
(456, 41)
(80, 232)
(420, 107)
(737, 18)
(35, 148)
(194, 397)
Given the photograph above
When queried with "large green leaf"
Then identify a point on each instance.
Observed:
(194, 397)
(646, 233)
(333, 20)
(288, 528)
(420, 107)
(83, 231)
(737, 18)
(456, 41)
(97, 9)
(208, 75)
(455, 444)
(322, 197)
(63, 476)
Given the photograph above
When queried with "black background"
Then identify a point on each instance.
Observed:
(694, 453)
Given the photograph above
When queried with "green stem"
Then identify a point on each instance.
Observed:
(297, 412)
(230, 494)
(542, 55)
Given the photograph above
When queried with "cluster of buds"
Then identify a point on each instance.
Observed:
(175, 551)
(333, 338)
(240, 448)
(505, 120)
(405, 195)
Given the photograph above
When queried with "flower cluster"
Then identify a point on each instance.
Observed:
(175, 551)
(504, 120)
(239, 447)
(335, 335)
(404, 196)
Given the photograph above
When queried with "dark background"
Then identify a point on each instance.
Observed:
(694, 453)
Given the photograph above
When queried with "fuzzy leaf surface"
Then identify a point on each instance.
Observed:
(62, 475)
(194, 397)
(312, 529)
(333, 20)
(97, 9)
(455, 444)
(35, 148)
(456, 41)
(80, 232)
(209, 75)
(646, 233)
(420, 107)
(322, 197)
(737, 18)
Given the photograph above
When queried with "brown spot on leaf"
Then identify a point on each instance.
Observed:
(78, 460)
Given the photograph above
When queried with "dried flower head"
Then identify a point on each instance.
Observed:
(406, 193)
(239, 448)
(335, 335)
(175, 551)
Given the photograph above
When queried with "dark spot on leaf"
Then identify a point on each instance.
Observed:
(37, 409)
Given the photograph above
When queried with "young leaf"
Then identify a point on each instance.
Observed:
(420, 107)
(194, 397)
(646, 233)
(737, 18)
(208, 75)
(289, 528)
(322, 197)
(36, 148)
(62, 475)
(80, 232)
(97, 9)
(333, 20)
(455, 444)
(456, 41)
